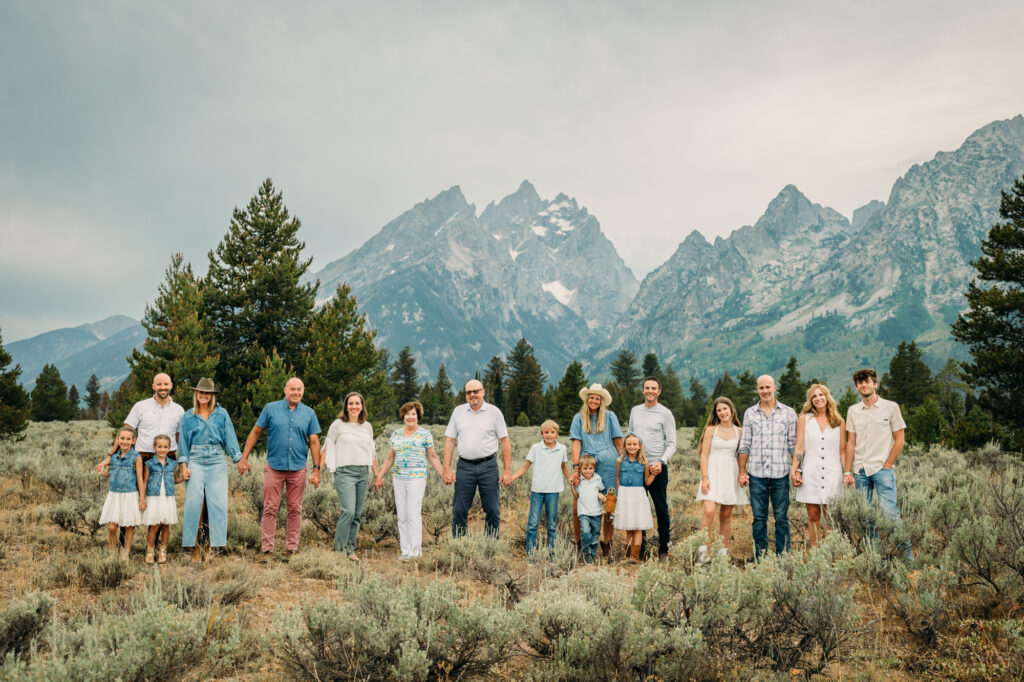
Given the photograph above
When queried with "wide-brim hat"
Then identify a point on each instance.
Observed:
(606, 397)
(205, 385)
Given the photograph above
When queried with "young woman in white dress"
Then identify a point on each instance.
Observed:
(719, 471)
(817, 469)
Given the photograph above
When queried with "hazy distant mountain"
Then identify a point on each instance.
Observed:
(98, 348)
(804, 281)
(459, 288)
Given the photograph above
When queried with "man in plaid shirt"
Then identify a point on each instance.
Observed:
(765, 452)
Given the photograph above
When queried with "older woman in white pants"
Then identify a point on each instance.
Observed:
(412, 446)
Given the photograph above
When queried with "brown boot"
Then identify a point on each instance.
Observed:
(606, 548)
(197, 554)
(634, 554)
(150, 554)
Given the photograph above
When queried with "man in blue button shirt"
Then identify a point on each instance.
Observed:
(291, 427)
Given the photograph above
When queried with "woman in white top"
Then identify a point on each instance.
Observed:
(349, 454)
(719, 470)
(817, 470)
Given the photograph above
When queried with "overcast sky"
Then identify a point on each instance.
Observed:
(130, 130)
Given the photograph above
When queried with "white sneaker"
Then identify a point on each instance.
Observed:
(724, 551)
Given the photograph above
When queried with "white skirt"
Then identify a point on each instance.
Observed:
(723, 484)
(633, 511)
(160, 509)
(122, 509)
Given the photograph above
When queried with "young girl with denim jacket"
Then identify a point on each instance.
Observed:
(126, 497)
(159, 476)
(633, 511)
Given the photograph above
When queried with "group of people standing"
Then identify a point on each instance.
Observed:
(612, 474)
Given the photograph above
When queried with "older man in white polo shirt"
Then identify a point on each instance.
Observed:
(875, 437)
(479, 429)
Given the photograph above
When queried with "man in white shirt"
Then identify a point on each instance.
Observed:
(875, 437)
(479, 429)
(656, 427)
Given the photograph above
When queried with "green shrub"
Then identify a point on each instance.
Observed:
(379, 519)
(77, 515)
(320, 507)
(925, 600)
(22, 621)
(412, 631)
(101, 571)
(320, 564)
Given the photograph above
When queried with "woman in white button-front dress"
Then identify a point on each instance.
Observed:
(817, 469)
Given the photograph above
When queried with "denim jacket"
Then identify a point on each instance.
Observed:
(156, 472)
(631, 474)
(122, 472)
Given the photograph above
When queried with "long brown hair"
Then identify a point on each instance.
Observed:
(831, 409)
(714, 420)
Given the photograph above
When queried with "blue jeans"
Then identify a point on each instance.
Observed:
(883, 482)
(471, 476)
(776, 492)
(209, 480)
(590, 535)
(548, 502)
(350, 484)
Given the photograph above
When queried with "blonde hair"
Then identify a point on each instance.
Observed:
(588, 460)
(640, 455)
(585, 416)
(127, 429)
(831, 408)
(195, 401)
(162, 437)
(549, 424)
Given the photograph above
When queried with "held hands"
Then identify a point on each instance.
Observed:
(743, 479)
(506, 479)
(314, 478)
(574, 479)
(848, 479)
(448, 477)
(656, 468)
(378, 483)
(243, 466)
(796, 478)
(142, 504)
(185, 473)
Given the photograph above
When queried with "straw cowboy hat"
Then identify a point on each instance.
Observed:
(205, 385)
(606, 397)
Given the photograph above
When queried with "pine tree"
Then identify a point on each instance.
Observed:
(726, 387)
(792, 389)
(525, 382)
(973, 431)
(494, 382)
(405, 377)
(567, 395)
(847, 400)
(14, 401)
(908, 381)
(672, 393)
(178, 341)
(341, 357)
(696, 404)
(254, 297)
(92, 397)
(76, 402)
(651, 367)
(428, 398)
(50, 397)
(925, 424)
(443, 392)
(627, 378)
(268, 387)
(950, 391)
(992, 328)
(746, 390)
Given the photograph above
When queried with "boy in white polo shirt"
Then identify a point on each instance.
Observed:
(875, 437)
(547, 457)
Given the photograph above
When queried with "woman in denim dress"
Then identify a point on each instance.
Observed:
(206, 436)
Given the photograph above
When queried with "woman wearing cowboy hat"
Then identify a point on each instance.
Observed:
(596, 431)
(206, 435)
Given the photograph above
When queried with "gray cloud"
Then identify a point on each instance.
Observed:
(128, 132)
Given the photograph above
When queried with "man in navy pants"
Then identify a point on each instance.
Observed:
(479, 430)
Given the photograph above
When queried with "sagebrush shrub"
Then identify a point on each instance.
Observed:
(22, 621)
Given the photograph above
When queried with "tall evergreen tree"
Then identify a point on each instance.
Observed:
(992, 328)
(567, 395)
(14, 401)
(445, 397)
(847, 400)
(525, 383)
(671, 392)
(405, 377)
(792, 389)
(627, 378)
(727, 387)
(495, 380)
(341, 357)
(268, 387)
(50, 397)
(76, 402)
(695, 404)
(92, 397)
(254, 296)
(908, 381)
(428, 398)
(746, 390)
(178, 340)
(950, 391)
(650, 366)
(925, 424)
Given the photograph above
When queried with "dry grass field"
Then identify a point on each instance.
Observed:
(476, 608)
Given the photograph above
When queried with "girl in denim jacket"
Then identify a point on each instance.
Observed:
(158, 477)
(127, 494)
(633, 511)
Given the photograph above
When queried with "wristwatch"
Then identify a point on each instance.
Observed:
(316, 467)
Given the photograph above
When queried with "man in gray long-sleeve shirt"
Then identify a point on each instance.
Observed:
(656, 427)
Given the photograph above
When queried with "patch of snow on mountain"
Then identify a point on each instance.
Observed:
(539, 230)
(562, 224)
(514, 253)
(390, 247)
(558, 207)
(560, 292)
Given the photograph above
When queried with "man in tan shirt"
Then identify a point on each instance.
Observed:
(875, 430)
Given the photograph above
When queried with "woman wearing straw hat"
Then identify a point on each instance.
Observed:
(206, 436)
(596, 431)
